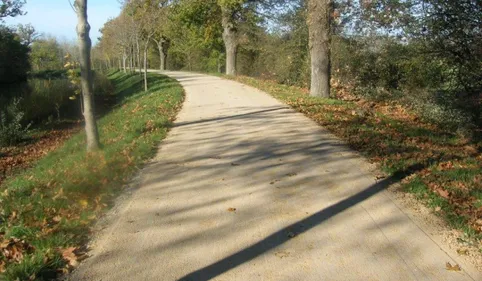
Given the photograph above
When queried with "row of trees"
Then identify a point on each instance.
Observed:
(127, 38)
(379, 48)
(199, 34)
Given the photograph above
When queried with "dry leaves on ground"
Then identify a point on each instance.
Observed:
(13, 251)
(22, 156)
(451, 267)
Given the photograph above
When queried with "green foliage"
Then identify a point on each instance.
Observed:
(56, 201)
(12, 130)
(46, 54)
(47, 96)
(49, 74)
(11, 8)
(451, 32)
(14, 63)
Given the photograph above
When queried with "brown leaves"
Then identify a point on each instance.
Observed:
(23, 155)
(451, 267)
(231, 209)
(445, 165)
(2, 266)
(13, 250)
(442, 192)
(70, 257)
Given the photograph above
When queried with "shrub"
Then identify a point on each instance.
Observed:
(11, 129)
(438, 108)
(46, 98)
(102, 85)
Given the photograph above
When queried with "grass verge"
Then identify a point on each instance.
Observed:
(46, 211)
(450, 180)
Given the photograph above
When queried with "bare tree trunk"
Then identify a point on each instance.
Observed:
(124, 59)
(319, 25)
(161, 45)
(85, 45)
(131, 58)
(145, 65)
(230, 40)
(138, 49)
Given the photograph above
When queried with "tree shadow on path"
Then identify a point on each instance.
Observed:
(290, 232)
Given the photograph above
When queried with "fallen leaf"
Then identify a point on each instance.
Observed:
(451, 267)
(235, 164)
(231, 209)
(282, 254)
(462, 252)
(438, 209)
(2, 266)
(444, 193)
(83, 203)
(13, 249)
(70, 257)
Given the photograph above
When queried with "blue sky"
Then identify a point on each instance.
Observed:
(56, 17)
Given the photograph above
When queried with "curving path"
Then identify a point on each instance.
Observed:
(244, 188)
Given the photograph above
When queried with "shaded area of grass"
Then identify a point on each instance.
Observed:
(50, 207)
(396, 139)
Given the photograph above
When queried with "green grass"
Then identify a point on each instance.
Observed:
(52, 205)
(451, 177)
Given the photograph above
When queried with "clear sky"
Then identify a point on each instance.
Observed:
(56, 17)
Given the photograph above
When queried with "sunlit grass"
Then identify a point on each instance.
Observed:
(52, 205)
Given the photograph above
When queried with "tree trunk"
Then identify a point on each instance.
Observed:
(131, 59)
(138, 56)
(319, 26)
(124, 59)
(162, 55)
(145, 65)
(230, 40)
(85, 45)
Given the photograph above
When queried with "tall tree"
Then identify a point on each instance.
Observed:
(319, 26)
(85, 45)
(146, 14)
(230, 33)
(27, 34)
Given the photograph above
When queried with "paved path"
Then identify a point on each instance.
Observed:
(244, 188)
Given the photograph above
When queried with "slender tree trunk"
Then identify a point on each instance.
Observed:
(319, 26)
(230, 40)
(131, 60)
(138, 49)
(124, 59)
(145, 65)
(85, 45)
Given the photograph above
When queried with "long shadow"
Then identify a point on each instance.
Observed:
(300, 227)
(180, 124)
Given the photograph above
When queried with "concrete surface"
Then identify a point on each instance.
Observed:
(244, 188)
